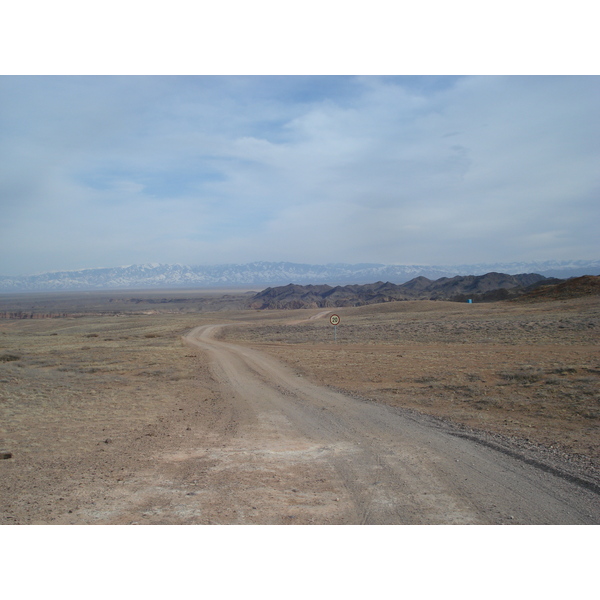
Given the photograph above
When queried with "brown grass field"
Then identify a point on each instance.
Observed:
(70, 386)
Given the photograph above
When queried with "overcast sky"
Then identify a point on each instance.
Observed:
(107, 171)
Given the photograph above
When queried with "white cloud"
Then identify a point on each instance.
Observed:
(99, 171)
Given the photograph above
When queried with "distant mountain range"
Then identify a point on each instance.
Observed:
(264, 274)
(480, 288)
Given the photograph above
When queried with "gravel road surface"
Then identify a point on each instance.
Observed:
(288, 451)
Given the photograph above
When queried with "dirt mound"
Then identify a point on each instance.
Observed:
(588, 285)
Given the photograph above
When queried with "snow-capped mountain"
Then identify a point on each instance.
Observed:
(263, 274)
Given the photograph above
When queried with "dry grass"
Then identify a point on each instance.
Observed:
(68, 384)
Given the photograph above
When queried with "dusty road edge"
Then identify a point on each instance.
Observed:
(568, 467)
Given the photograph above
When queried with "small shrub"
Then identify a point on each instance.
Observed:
(564, 370)
(474, 377)
(590, 414)
(9, 357)
(426, 379)
(521, 376)
(484, 403)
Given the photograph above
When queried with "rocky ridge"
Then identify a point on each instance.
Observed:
(490, 287)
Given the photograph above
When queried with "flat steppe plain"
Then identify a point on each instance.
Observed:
(112, 416)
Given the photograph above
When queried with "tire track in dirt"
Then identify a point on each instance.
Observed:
(381, 465)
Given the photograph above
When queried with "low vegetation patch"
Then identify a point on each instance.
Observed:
(522, 375)
(9, 357)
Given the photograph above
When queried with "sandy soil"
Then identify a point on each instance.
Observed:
(119, 420)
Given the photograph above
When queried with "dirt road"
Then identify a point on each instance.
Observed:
(228, 434)
(290, 451)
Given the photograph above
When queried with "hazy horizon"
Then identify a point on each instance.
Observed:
(216, 265)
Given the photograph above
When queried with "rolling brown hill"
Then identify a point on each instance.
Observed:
(577, 287)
